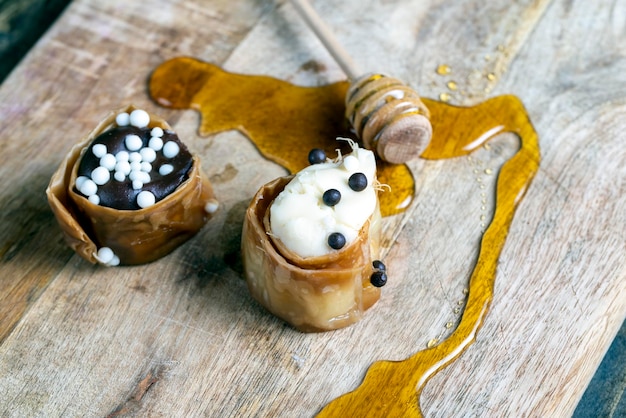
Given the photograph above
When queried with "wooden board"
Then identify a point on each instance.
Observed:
(182, 337)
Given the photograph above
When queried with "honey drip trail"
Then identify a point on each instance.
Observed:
(285, 121)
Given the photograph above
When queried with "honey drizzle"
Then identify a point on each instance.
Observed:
(283, 120)
(275, 115)
(392, 389)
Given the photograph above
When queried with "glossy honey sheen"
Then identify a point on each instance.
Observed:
(286, 121)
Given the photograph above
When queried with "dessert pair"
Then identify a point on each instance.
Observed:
(131, 192)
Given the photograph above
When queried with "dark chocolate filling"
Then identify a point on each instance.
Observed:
(120, 194)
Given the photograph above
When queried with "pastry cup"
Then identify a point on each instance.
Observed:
(135, 236)
(312, 294)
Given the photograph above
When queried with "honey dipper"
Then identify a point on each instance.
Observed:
(386, 114)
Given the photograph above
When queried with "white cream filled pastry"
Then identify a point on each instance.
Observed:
(303, 222)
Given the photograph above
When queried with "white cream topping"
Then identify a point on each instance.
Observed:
(300, 218)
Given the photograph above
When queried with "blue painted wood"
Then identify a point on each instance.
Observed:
(604, 398)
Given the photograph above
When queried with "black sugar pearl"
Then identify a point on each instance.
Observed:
(331, 197)
(336, 240)
(317, 156)
(357, 182)
(378, 279)
(378, 265)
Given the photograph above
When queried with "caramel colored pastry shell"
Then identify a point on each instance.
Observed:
(135, 236)
(312, 294)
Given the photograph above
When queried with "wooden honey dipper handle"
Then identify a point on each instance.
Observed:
(326, 36)
(386, 114)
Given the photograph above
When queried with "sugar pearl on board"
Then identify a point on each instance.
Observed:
(139, 118)
(211, 206)
(105, 255)
(145, 199)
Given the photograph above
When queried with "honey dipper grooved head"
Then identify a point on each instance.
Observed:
(389, 117)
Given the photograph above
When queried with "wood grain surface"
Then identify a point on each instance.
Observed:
(182, 337)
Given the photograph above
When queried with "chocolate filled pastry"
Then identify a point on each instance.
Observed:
(130, 192)
(310, 242)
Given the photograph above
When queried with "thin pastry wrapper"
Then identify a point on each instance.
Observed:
(135, 236)
(312, 294)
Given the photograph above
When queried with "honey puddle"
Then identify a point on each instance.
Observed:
(285, 121)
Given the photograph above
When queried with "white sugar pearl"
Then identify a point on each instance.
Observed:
(147, 154)
(88, 187)
(146, 166)
(135, 166)
(165, 169)
(108, 161)
(139, 118)
(211, 206)
(122, 156)
(123, 119)
(95, 199)
(80, 180)
(145, 199)
(99, 150)
(119, 176)
(141, 176)
(155, 143)
(134, 156)
(156, 131)
(351, 163)
(137, 184)
(170, 149)
(123, 167)
(133, 142)
(115, 261)
(105, 255)
(100, 175)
